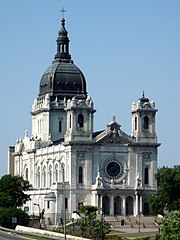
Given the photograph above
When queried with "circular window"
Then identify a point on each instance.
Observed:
(114, 168)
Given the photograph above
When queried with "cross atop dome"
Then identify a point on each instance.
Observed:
(63, 11)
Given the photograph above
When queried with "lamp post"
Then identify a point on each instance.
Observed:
(139, 222)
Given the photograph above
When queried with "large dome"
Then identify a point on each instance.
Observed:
(63, 79)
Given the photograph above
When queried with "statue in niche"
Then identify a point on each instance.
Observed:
(99, 180)
(138, 181)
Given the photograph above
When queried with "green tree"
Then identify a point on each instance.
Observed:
(12, 191)
(170, 226)
(91, 226)
(7, 214)
(168, 193)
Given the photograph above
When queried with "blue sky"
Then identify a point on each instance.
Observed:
(122, 46)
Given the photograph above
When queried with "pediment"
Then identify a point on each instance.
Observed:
(113, 134)
(118, 137)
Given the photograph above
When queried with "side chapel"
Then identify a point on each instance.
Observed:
(68, 164)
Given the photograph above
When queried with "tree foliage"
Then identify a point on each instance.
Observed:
(12, 191)
(90, 226)
(170, 226)
(6, 215)
(168, 193)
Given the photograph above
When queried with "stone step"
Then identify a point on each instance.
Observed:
(130, 221)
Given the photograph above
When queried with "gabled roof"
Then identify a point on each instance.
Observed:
(113, 134)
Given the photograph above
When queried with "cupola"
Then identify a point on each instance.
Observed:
(63, 79)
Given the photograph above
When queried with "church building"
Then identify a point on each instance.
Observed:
(69, 164)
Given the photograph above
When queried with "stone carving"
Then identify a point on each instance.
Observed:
(146, 155)
(99, 182)
(138, 181)
(112, 183)
(114, 134)
(115, 137)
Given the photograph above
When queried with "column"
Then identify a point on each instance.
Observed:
(141, 210)
(136, 206)
(123, 207)
(100, 203)
(111, 205)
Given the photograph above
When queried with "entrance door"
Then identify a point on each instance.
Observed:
(106, 205)
(129, 205)
(117, 205)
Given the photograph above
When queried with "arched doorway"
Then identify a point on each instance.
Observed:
(129, 205)
(106, 205)
(117, 205)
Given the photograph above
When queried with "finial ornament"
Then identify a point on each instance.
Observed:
(143, 93)
(114, 118)
(63, 11)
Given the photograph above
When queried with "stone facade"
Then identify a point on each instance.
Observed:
(68, 164)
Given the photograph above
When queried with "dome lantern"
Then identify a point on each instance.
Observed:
(63, 79)
(63, 44)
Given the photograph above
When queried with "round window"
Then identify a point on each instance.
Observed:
(113, 169)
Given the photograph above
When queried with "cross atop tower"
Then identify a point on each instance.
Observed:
(63, 11)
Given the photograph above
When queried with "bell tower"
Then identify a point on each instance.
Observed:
(80, 114)
(143, 120)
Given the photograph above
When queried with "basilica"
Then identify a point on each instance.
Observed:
(69, 164)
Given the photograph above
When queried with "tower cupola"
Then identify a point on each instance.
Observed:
(143, 120)
(63, 44)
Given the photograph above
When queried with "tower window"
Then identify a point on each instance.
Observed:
(48, 204)
(60, 126)
(146, 122)
(80, 120)
(80, 175)
(70, 121)
(66, 203)
(146, 176)
(135, 123)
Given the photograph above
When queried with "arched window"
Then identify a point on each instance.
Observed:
(146, 175)
(56, 173)
(80, 175)
(50, 175)
(38, 177)
(80, 120)
(60, 126)
(44, 176)
(26, 173)
(135, 123)
(146, 122)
